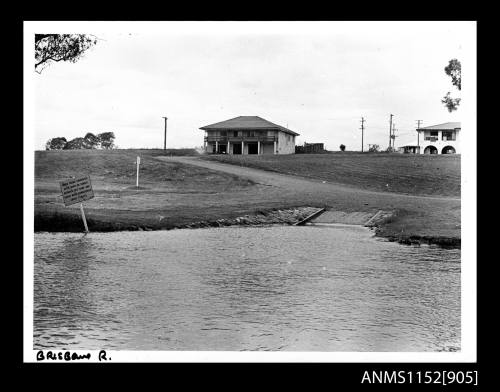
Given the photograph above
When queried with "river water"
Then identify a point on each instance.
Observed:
(324, 288)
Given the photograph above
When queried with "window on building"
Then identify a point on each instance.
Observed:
(235, 133)
(448, 135)
(431, 136)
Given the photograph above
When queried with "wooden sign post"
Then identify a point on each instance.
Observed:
(137, 180)
(77, 190)
(83, 217)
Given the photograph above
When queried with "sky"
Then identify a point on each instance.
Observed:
(316, 78)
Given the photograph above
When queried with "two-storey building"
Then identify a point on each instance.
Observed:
(248, 135)
(439, 139)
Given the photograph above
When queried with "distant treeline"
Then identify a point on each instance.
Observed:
(105, 141)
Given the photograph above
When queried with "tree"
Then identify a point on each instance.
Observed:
(91, 141)
(374, 148)
(60, 47)
(342, 147)
(107, 140)
(75, 144)
(454, 71)
(57, 143)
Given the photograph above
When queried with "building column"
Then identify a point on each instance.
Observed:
(216, 146)
(274, 151)
(258, 147)
(228, 145)
(242, 147)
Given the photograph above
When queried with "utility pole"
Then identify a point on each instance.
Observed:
(394, 135)
(390, 131)
(418, 133)
(165, 139)
(362, 132)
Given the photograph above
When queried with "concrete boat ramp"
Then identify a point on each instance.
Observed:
(327, 217)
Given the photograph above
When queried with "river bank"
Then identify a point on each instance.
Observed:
(58, 222)
(188, 192)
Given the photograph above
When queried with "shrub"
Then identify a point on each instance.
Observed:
(342, 147)
(374, 148)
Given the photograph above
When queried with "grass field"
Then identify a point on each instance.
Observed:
(401, 173)
(117, 168)
(163, 187)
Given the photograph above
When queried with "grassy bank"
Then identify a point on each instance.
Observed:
(165, 190)
(173, 194)
(422, 191)
(170, 195)
(435, 175)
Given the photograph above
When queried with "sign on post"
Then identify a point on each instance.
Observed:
(77, 190)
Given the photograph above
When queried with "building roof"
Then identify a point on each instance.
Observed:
(443, 127)
(247, 122)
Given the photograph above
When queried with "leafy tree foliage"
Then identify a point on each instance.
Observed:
(107, 140)
(75, 144)
(450, 102)
(91, 141)
(57, 143)
(342, 147)
(454, 71)
(374, 148)
(60, 47)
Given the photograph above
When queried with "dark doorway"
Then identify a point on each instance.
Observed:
(448, 150)
(430, 150)
(237, 148)
(253, 148)
(222, 149)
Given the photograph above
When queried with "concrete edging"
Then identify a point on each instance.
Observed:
(308, 218)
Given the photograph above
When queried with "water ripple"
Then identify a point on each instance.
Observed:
(274, 288)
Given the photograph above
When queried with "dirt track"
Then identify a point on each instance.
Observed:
(291, 183)
(420, 216)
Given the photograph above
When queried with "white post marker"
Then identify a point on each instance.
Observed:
(83, 217)
(138, 163)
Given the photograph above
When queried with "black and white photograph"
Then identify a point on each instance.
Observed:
(249, 191)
